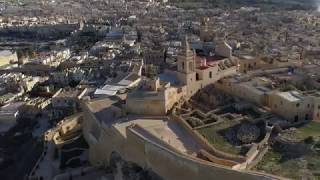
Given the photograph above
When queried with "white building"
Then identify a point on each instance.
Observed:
(7, 58)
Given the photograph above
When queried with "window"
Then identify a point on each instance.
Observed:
(190, 66)
(281, 102)
(308, 105)
(182, 65)
(210, 74)
(307, 117)
(297, 105)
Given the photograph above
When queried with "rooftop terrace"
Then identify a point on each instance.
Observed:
(291, 96)
(162, 131)
(103, 109)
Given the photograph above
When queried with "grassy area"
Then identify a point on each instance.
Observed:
(271, 163)
(283, 161)
(311, 129)
(210, 133)
(306, 167)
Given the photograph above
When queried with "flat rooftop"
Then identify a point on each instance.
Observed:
(102, 108)
(141, 94)
(292, 96)
(156, 129)
(69, 93)
(168, 77)
(5, 53)
(162, 130)
(247, 57)
(215, 58)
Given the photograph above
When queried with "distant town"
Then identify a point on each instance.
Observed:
(159, 90)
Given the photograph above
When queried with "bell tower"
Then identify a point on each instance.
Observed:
(186, 58)
(186, 72)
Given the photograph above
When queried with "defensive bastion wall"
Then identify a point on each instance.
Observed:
(170, 165)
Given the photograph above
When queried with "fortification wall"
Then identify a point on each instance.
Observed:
(146, 106)
(208, 147)
(168, 164)
(172, 166)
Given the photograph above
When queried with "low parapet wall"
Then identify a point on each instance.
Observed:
(217, 160)
(208, 147)
(138, 128)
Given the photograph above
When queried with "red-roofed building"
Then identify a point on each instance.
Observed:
(196, 71)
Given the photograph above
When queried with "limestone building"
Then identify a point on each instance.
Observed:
(293, 105)
(7, 57)
(195, 72)
(154, 98)
(296, 106)
(248, 63)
